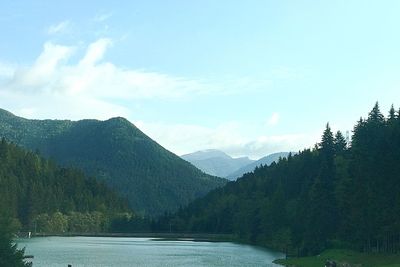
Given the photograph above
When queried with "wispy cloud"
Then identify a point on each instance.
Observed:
(58, 79)
(92, 76)
(273, 120)
(58, 28)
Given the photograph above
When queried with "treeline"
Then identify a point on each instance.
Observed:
(336, 194)
(41, 195)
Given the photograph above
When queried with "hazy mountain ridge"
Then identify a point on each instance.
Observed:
(206, 154)
(267, 160)
(216, 162)
(153, 179)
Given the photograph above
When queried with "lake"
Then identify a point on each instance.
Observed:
(148, 252)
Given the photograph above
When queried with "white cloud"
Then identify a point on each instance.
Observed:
(95, 52)
(42, 74)
(6, 70)
(60, 84)
(274, 119)
(93, 77)
(58, 28)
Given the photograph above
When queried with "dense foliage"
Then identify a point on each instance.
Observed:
(153, 179)
(333, 195)
(10, 255)
(40, 194)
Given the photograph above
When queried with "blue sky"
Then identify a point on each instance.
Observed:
(247, 77)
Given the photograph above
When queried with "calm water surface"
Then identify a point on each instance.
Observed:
(148, 252)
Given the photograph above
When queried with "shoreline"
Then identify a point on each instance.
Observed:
(196, 237)
(166, 236)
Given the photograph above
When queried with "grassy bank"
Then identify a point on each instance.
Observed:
(345, 256)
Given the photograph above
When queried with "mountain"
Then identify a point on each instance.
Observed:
(267, 160)
(216, 162)
(153, 179)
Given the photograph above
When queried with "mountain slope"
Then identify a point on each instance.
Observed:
(216, 162)
(267, 160)
(153, 179)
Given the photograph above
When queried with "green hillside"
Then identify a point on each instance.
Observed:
(153, 179)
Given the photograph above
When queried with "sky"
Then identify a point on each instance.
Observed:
(247, 77)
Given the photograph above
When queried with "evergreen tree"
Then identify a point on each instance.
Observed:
(327, 145)
(340, 143)
(375, 115)
(10, 255)
(392, 115)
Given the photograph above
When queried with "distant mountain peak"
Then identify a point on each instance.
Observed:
(119, 119)
(216, 162)
(206, 154)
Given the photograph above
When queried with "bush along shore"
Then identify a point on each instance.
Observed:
(344, 258)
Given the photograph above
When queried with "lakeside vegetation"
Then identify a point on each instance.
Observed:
(34, 190)
(342, 257)
(10, 255)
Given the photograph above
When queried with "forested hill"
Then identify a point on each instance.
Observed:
(332, 195)
(153, 179)
(32, 187)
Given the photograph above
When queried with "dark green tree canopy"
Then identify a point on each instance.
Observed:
(340, 143)
(327, 145)
(375, 115)
(31, 185)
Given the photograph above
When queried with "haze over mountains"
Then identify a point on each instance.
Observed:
(153, 179)
(267, 160)
(218, 163)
